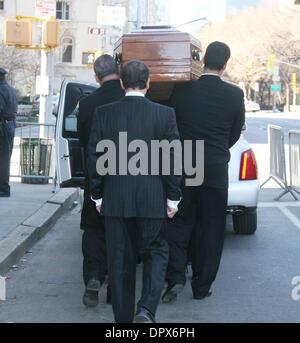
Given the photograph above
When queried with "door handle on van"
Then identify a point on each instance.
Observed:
(65, 156)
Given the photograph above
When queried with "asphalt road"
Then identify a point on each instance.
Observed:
(257, 125)
(257, 281)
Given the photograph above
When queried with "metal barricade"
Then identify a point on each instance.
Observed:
(294, 151)
(278, 161)
(33, 158)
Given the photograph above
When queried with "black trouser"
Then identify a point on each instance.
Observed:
(178, 234)
(126, 238)
(93, 241)
(7, 133)
(202, 223)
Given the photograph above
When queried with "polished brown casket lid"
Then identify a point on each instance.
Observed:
(171, 55)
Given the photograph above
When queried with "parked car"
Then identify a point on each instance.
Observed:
(243, 178)
(36, 104)
(251, 106)
(243, 187)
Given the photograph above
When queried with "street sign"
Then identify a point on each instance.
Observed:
(88, 57)
(111, 15)
(45, 8)
(275, 88)
(42, 85)
(96, 31)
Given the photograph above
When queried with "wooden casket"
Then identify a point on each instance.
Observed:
(172, 56)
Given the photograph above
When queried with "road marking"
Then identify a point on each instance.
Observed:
(283, 208)
(290, 215)
(2, 288)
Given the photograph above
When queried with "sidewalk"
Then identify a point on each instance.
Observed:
(27, 216)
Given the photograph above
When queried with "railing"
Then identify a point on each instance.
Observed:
(278, 162)
(294, 151)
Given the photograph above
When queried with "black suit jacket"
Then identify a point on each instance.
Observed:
(128, 196)
(212, 110)
(109, 92)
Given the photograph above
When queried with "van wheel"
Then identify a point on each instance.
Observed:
(245, 224)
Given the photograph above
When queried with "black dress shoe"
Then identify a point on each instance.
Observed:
(171, 293)
(4, 195)
(201, 295)
(90, 299)
(94, 285)
(91, 294)
(144, 316)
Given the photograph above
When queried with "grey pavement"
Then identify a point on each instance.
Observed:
(27, 216)
(25, 200)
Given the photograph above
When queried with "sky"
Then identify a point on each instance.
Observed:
(183, 11)
(241, 4)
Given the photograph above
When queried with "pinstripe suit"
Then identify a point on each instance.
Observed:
(134, 206)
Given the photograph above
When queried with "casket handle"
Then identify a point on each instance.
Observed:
(196, 54)
(118, 57)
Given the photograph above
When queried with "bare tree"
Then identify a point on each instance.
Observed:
(253, 35)
(22, 67)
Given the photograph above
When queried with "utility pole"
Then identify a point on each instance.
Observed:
(100, 42)
(47, 76)
(276, 82)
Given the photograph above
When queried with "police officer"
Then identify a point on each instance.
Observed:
(8, 110)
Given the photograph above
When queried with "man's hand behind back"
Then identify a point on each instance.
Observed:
(171, 212)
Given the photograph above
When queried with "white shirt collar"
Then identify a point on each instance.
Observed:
(211, 74)
(134, 93)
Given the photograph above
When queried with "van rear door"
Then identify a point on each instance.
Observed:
(69, 153)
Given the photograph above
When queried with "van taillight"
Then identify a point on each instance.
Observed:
(248, 169)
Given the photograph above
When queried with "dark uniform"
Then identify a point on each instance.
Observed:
(93, 240)
(8, 110)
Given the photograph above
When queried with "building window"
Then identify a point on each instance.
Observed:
(67, 50)
(1, 5)
(62, 10)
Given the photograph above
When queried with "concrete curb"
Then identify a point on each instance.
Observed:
(23, 237)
